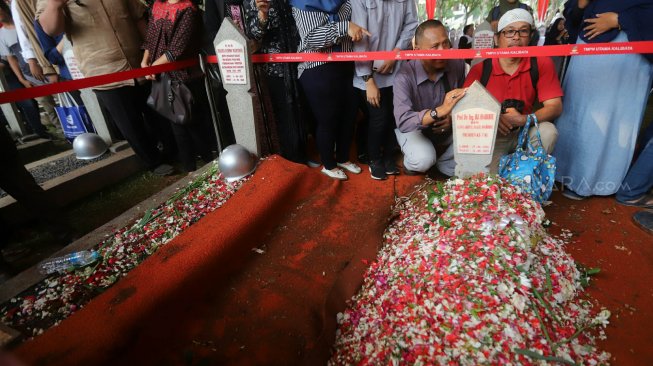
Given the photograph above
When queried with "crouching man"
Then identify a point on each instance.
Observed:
(516, 83)
(425, 92)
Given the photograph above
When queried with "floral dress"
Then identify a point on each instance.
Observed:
(174, 31)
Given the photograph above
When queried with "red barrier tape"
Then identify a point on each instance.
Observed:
(561, 50)
(89, 82)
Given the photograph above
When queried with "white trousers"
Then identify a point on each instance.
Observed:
(420, 155)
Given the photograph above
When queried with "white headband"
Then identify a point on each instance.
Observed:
(515, 15)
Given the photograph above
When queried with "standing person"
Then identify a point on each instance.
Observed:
(636, 187)
(23, 12)
(425, 92)
(270, 23)
(19, 73)
(174, 33)
(328, 85)
(105, 43)
(607, 97)
(392, 24)
(557, 33)
(467, 39)
(516, 82)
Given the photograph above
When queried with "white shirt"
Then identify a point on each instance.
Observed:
(25, 45)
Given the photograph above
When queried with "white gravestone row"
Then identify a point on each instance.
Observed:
(475, 123)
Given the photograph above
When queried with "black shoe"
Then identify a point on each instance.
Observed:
(377, 170)
(163, 170)
(412, 172)
(644, 219)
(435, 174)
(14, 254)
(363, 159)
(645, 201)
(45, 135)
(391, 167)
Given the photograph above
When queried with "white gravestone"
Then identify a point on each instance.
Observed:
(475, 124)
(483, 39)
(237, 72)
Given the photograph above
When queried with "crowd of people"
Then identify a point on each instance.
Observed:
(590, 122)
(593, 137)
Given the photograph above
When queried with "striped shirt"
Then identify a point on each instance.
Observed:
(320, 35)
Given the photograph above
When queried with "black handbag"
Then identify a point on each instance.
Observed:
(171, 99)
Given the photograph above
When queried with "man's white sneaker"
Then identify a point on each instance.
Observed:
(350, 167)
(335, 173)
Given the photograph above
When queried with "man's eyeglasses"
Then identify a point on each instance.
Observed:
(511, 33)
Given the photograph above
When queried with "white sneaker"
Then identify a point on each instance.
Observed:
(350, 167)
(335, 173)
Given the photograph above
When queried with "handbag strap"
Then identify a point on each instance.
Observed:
(67, 100)
(524, 138)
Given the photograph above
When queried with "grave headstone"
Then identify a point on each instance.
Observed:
(483, 38)
(237, 72)
(475, 123)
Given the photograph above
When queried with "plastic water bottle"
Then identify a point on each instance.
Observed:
(72, 260)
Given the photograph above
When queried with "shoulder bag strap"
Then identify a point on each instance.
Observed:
(487, 70)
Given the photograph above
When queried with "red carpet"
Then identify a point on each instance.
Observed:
(605, 237)
(208, 298)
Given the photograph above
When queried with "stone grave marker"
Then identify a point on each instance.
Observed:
(475, 124)
(237, 72)
(483, 38)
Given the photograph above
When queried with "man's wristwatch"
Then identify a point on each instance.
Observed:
(434, 114)
(366, 77)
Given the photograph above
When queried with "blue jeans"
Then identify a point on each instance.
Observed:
(639, 180)
(27, 107)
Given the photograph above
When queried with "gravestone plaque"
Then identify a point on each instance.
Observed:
(483, 38)
(236, 72)
(475, 123)
(231, 60)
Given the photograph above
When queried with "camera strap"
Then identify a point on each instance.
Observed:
(487, 71)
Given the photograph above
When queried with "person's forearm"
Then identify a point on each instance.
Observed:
(13, 64)
(146, 58)
(52, 18)
(161, 60)
(548, 113)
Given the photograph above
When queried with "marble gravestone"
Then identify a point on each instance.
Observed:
(237, 72)
(483, 39)
(475, 123)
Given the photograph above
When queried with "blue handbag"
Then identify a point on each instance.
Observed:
(530, 167)
(73, 117)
